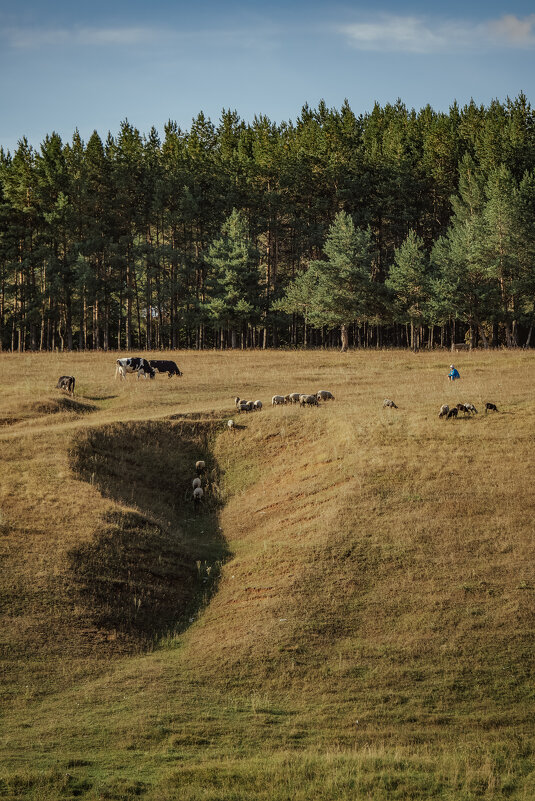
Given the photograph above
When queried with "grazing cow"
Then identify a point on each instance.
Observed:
(66, 383)
(134, 364)
(163, 366)
(490, 407)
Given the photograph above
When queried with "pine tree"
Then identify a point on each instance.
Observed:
(339, 287)
(233, 288)
(409, 281)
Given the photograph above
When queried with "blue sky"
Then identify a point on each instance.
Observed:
(67, 65)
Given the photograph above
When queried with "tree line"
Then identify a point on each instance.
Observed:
(390, 228)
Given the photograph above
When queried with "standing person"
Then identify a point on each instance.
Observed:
(453, 373)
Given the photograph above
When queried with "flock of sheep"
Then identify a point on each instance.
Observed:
(465, 408)
(198, 491)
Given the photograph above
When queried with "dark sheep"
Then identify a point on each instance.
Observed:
(452, 413)
(490, 407)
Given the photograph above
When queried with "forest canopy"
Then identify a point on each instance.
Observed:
(391, 228)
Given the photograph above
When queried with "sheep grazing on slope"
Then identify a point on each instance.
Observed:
(200, 466)
(461, 407)
(243, 405)
(387, 403)
(197, 497)
(470, 408)
(452, 413)
(308, 400)
(444, 409)
(257, 406)
(231, 426)
(277, 400)
(324, 395)
(490, 407)
(196, 483)
(293, 397)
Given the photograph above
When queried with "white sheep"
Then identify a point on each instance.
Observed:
(199, 466)
(471, 408)
(387, 403)
(293, 397)
(257, 406)
(277, 400)
(231, 426)
(325, 395)
(444, 409)
(197, 496)
(196, 483)
(244, 405)
(308, 400)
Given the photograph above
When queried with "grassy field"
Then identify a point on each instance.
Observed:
(350, 615)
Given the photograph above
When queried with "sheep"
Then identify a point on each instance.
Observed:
(461, 407)
(452, 413)
(197, 497)
(470, 408)
(196, 482)
(324, 395)
(230, 425)
(293, 397)
(257, 406)
(308, 400)
(277, 400)
(444, 409)
(200, 466)
(490, 407)
(389, 403)
(243, 405)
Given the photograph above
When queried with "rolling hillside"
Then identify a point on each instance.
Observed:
(350, 614)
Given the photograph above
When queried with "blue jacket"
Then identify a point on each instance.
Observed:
(453, 374)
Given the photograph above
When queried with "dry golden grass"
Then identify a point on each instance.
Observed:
(355, 600)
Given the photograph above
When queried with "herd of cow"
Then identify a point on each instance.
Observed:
(145, 368)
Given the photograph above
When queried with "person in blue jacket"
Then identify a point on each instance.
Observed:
(453, 373)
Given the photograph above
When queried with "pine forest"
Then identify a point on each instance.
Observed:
(393, 228)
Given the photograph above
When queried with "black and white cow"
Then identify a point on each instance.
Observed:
(134, 364)
(66, 383)
(163, 366)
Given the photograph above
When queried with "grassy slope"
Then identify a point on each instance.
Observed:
(371, 631)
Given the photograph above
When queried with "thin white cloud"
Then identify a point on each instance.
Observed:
(35, 38)
(32, 38)
(513, 31)
(412, 34)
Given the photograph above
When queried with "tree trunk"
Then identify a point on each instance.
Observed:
(344, 337)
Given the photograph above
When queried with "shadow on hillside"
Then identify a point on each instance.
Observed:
(63, 404)
(45, 407)
(149, 570)
(101, 397)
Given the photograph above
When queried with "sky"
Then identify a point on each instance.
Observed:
(67, 66)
